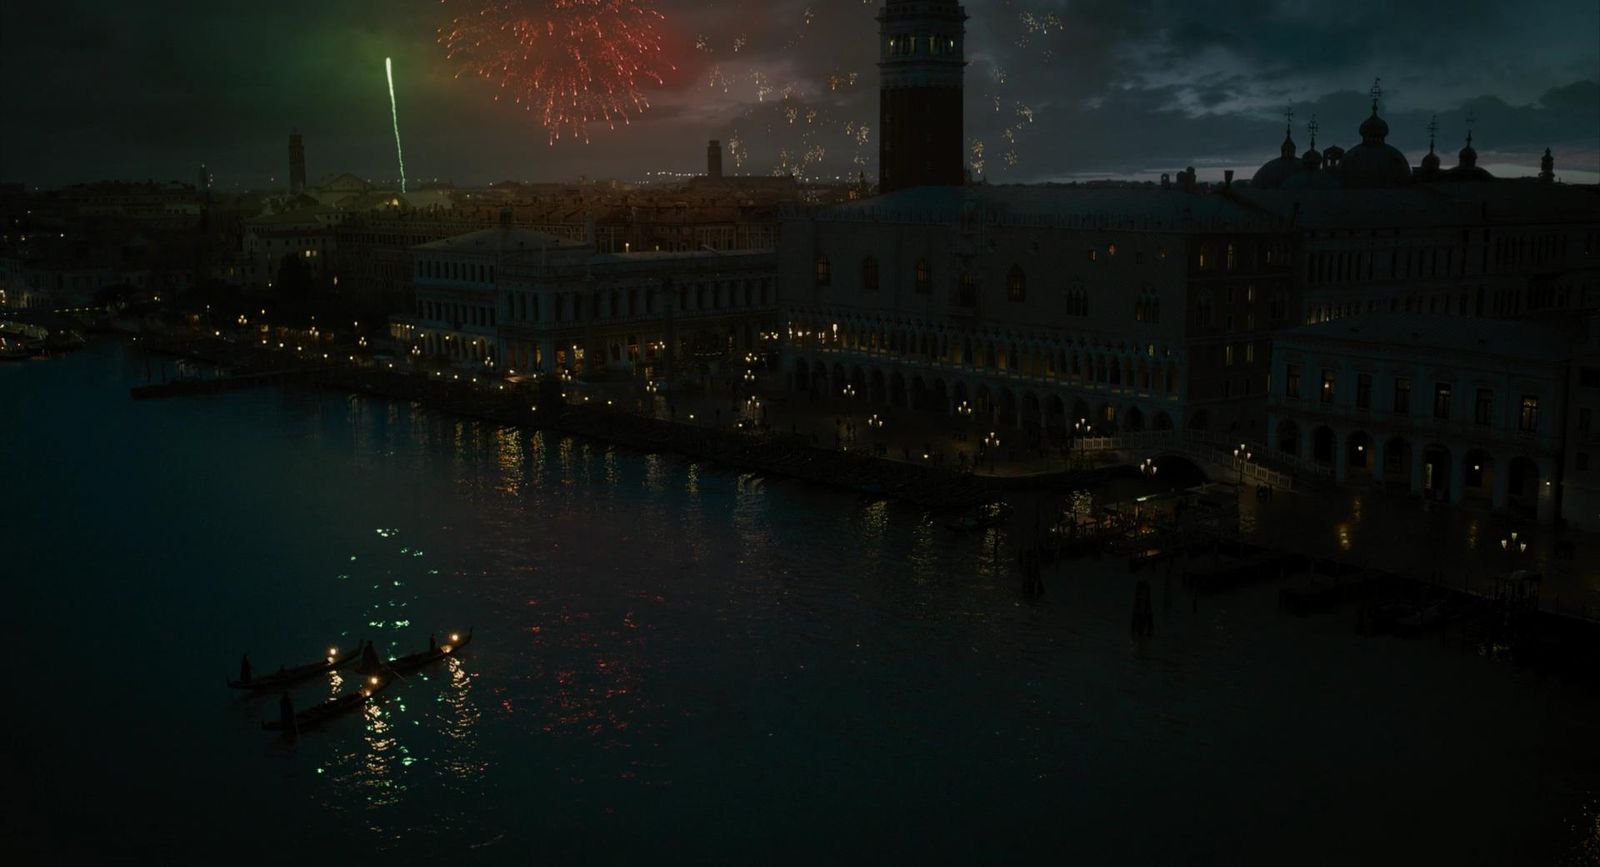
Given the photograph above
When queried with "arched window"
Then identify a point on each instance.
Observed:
(1077, 301)
(1148, 307)
(1016, 284)
(968, 296)
(869, 274)
(1230, 263)
(824, 271)
(1205, 256)
(924, 276)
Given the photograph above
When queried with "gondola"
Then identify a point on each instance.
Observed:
(412, 662)
(287, 676)
(293, 723)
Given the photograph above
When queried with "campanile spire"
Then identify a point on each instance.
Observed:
(922, 59)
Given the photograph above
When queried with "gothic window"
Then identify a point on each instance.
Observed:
(824, 271)
(1016, 284)
(924, 276)
(1077, 301)
(869, 274)
(1147, 308)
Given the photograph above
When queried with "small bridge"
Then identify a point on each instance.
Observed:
(1214, 455)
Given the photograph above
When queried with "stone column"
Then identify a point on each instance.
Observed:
(1546, 496)
(1341, 457)
(1500, 485)
(1376, 457)
(1458, 475)
(1416, 471)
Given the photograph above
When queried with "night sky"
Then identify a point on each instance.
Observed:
(1055, 89)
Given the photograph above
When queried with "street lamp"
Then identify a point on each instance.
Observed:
(1241, 456)
(850, 391)
(1512, 545)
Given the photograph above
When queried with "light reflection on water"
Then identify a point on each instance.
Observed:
(676, 662)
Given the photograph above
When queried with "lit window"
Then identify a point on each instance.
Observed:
(1016, 284)
(1528, 419)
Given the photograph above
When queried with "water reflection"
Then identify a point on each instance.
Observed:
(461, 758)
(379, 780)
(510, 458)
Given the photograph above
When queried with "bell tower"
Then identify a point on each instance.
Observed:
(922, 57)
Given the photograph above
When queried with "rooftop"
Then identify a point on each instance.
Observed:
(1058, 206)
(500, 239)
(1463, 335)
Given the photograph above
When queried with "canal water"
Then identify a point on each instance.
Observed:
(674, 663)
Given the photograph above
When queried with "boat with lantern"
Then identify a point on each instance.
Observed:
(292, 723)
(288, 676)
(434, 653)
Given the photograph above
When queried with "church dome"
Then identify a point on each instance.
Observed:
(1467, 169)
(1374, 129)
(1429, 168)
(1373, 163)
(1275, 172)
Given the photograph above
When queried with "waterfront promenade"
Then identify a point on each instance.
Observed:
(943, 463)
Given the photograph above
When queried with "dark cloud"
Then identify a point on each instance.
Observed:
(99, 88)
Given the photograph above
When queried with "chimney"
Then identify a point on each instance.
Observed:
(714, 159)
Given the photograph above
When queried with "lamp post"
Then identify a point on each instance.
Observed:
(1241, 456)
(992, 444)
(1512, 545)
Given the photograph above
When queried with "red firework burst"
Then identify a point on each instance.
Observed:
(576, 62)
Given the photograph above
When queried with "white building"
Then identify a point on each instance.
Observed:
(1447, 408)
(1049, 308)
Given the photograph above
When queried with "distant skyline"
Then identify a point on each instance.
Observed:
(1056, 90)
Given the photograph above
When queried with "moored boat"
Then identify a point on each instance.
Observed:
(286, 676)
(292, 723)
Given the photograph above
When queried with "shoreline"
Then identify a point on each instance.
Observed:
(778, 455)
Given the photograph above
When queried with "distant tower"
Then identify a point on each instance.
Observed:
(1547, 168)
(203, 184)
(297, 163)
(714, 159)
(922, 60)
